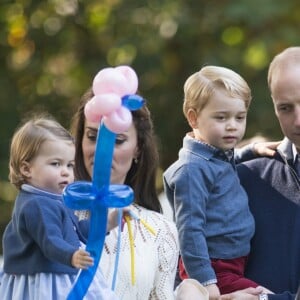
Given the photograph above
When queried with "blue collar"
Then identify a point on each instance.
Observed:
(31, 189)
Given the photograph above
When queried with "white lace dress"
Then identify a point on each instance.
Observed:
(155, 258)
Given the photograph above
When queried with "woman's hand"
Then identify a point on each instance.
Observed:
(213, 291)
(112, 218)
(191, 289)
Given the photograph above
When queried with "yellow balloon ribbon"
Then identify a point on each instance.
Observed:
(146, 225)
(131, 243)
(130, 215)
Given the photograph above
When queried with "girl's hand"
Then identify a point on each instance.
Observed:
(81, 259)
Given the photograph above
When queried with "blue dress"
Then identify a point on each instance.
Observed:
(27, 272)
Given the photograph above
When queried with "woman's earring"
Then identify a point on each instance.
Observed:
(135, 160)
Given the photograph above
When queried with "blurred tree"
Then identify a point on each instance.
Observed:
(51, 50)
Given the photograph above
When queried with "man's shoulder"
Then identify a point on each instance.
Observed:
(256, 169)
(257, 163)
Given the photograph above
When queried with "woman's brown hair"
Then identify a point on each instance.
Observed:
(142, 175)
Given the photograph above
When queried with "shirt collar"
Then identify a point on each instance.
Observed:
(207, 150)
(31, 189)
(295, 153)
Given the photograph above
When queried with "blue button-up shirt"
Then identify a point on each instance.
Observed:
(210, 206)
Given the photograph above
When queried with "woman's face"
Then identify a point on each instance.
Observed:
(126, 150)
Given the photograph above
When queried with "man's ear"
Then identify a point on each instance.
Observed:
(192, 118)
(25, 169)
(274, 105)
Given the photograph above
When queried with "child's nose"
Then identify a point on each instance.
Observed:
(231, 125)
(65, 171)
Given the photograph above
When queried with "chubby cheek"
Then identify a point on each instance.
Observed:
(72, 177)
(215, 131)
(242, 130)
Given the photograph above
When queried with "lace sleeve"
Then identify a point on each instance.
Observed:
(168, 251)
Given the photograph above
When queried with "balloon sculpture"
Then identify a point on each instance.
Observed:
(114, 96)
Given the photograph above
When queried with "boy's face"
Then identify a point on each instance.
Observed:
(286, 100)
(52, 168)
(222, 122)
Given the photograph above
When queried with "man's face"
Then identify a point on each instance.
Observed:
(285, 91)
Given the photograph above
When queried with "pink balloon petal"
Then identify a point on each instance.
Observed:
(109, 80)
(90, 115)
(118, 121)
(131, 77)
(105, 104)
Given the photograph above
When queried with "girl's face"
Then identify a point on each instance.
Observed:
(126, 150)
(222, 121)
(53, 168)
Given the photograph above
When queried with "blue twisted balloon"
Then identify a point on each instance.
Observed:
(97, 196)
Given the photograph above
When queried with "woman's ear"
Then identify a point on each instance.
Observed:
(192, 118)
(136, 155)
(25, 169)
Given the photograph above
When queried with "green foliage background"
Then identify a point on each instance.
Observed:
(51, 50)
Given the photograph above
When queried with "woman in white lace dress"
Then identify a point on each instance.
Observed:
(135, 161)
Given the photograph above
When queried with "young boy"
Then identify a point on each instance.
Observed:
(211, 208)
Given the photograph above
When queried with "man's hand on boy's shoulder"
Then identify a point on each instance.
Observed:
(265, 148)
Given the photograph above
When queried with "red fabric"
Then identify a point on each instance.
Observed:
(229, 272)
(182, 272)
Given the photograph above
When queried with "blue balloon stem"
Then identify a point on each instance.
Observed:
(98, 197)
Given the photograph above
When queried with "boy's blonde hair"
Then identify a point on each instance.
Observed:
(200, 87)
(27, 140)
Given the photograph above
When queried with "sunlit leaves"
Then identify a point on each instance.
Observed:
(256, 56)
(98, 15)
(122, 55)
(20, 57)
(65, 7)
(168, 28)
(51, 50)
(16, 25)
(233, 35)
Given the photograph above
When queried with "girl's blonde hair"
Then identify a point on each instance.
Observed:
(27, 140)
(200, 87)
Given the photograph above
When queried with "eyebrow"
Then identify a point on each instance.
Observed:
(229, 111)
(91, 128)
